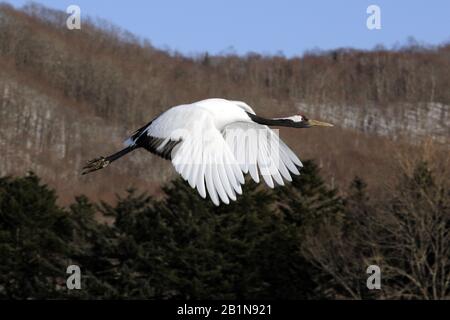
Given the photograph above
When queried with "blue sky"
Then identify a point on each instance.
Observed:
(267, 27)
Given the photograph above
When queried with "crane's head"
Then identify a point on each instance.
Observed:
(301, 121)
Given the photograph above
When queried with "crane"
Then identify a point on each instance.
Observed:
(212, 143)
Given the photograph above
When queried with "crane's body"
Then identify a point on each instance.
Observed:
(219, 112)
(212, 143)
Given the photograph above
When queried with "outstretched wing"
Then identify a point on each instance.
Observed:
(197, 151)
(257, 148)
(206, 162)
(208, 165)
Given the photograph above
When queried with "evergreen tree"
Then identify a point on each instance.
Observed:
(93, 249)
(307, 201)
(180, 246)
(34, 238)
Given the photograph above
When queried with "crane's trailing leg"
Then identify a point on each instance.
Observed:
(95, 164)
(102, 162)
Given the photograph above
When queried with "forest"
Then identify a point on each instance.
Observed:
(298, 242)
(374, 190)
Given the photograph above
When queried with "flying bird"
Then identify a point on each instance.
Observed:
(212, 143)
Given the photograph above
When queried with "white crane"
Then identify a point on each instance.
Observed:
(212, 143)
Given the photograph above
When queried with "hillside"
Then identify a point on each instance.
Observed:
(68, 96)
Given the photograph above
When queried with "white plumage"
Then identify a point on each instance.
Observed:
(217, 147)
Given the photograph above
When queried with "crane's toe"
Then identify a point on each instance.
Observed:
(95, 164)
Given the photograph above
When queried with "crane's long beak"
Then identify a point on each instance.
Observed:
(315, 123)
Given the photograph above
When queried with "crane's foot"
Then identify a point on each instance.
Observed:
(95, 164)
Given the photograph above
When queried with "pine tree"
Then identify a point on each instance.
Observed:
(180, 246)
(34, 238)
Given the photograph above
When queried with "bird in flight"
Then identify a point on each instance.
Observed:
(212, 143)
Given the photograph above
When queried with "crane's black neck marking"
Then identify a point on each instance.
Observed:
(276, 122)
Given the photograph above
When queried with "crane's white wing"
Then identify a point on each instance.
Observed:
(201, 155)
(258, 148)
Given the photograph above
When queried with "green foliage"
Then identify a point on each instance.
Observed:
(184, 247)
(34, 237)
(181, 246)
(300, 241)
(308, 202)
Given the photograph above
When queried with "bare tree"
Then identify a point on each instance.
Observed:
(407, 236)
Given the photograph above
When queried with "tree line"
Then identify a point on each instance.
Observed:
(301, 241)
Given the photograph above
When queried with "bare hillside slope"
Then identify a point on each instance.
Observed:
(68, 96)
